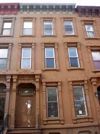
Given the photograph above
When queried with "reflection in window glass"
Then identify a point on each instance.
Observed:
(68, 27)
(7, 27)
(96, 59)
(48, 28)
(89, 30)
(27, 28)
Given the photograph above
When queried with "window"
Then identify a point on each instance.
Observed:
(7, 28)
(49, 57)
(79, 101)
(98, 94)
(27, 28)
(96, 59)
(89, 30)
(52, 102)
(3, 58)
(48, 27)
(26, 58)
(68, 27)
(73, 57)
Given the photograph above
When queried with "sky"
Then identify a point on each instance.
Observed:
(77, 2)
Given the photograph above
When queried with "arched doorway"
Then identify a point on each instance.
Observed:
(25, 105)
(2, 101)
(98, 93)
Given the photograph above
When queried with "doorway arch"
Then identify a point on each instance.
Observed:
(25, 105)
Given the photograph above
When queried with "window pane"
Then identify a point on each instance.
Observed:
(6, 31)
(49, 52)
(28, 24)
(7, 25)
(27, 31)
(89, 27)
(3, 63)
(89, 30)
(96, 55)
(26, 52)
(25, 63)
(49, 63)
(52, 109)
(74, 62)
(3, 53)
(72, 51)
(52, 95)
(79, 100)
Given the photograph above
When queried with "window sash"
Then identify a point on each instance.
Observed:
(27, 28)
(79, 101)
(89, 30)
(68, 27)
(73, 57)
(26, 58)
(7, 27)
(52, 104)
(50, 57)
(48, 28)
(96, 59)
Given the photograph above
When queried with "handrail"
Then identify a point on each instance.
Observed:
(4, 124)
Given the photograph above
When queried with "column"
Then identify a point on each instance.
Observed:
(13, 102)
(37, 100)
(60, 103)
(7, 97)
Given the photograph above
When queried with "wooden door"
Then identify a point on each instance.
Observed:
(25, 111)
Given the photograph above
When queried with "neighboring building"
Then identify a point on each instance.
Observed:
(49, 69)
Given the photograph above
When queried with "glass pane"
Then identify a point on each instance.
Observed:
(97, 64)
(90, 34)
(89, 28)
(74, 62)
(25, 64)
(72, 51)
(26, 91)
(2, 104)
(3, 53)
(48, 28)
(52, 94)
(26, 52)
(49, 63)
(96, 55)
(49, 52)
(6, 31)
(7, 25)
(2, 88)
(52, 109)
(28, 24)
(3, 63)
(27, 31)
(68, 27)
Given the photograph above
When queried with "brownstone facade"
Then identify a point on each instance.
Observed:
(49, 69)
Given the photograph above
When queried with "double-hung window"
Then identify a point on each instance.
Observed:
(79, 101)
(52, 102)
(73, 57)
(3, 58)
(68, 27)
(27, 28)
(89, 30)
(96, 59)
(26, 58)
(7, 28)
(50, 57)
(48, 28)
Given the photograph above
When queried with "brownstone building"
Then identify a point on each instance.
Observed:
(49, 69)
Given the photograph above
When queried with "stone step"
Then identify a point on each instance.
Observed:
(24, 131)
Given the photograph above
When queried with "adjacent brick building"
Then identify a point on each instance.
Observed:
(49, 69)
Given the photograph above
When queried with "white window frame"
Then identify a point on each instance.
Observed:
(97, 58)
(66, 32)
(77, 56)
(90, 33)
(27, 21)
(7, 28)
(84, 100)
(6, 57)
(54, 88)
(47, 23)
(22, 58)
(48, 57)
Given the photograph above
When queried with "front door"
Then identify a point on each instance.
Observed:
(25, 108)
